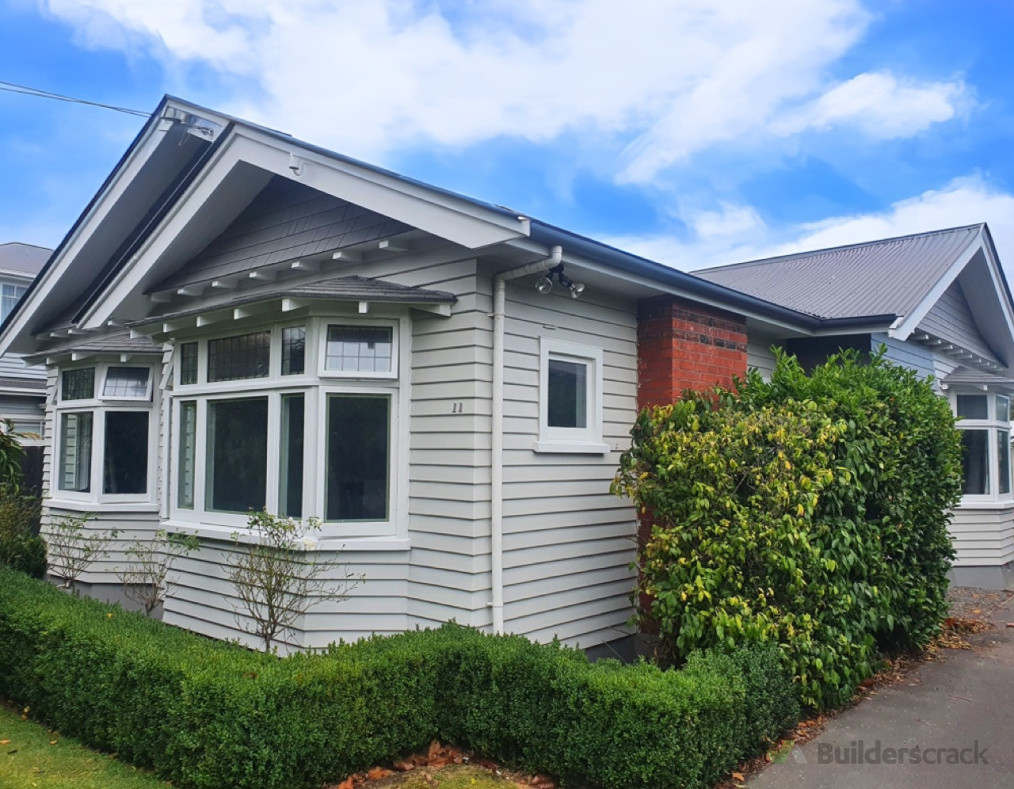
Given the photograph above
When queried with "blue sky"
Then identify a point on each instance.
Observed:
(696, 133)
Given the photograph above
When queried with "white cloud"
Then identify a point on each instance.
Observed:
(731, 220)
(661, 80)
(963, 201)
(880, 105)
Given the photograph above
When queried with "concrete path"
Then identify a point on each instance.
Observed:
(958, 708)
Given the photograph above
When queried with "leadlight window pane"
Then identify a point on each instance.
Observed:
(187, 456)
(76, 452)
(188, 363)
(362, 349)
(234, 358)
(290, 499)
(972, 407)
(975, 461)
(1003, 408)
(125, 465)
(78, 384)
(1003, 455)
(567, 391)
(129, 382)
(237, 455)
(358, 457)
(294, 350)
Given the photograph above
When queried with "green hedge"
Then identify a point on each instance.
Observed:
(209, 714)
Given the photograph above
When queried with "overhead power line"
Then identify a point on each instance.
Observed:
(11, 87)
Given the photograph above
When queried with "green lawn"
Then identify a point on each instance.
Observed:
(33, 758)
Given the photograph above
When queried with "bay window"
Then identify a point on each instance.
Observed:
(103, 434)
(301, 419)
(984, 421)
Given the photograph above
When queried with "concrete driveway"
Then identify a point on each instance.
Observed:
(950, 725)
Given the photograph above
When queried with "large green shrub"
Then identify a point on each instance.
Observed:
(808, 511)
(210, 714)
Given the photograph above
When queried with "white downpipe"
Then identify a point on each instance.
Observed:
(496, 462)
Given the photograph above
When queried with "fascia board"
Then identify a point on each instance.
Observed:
(662, 288)
(95, 214)
(911, 321)
(460, 223)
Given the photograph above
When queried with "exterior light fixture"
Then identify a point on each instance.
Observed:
(544, 284)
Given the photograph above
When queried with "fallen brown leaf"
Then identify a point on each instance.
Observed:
(376, 773)
(404, 765)
(348, 783)
(5, 742)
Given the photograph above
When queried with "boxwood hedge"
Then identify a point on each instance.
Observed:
(203, 713)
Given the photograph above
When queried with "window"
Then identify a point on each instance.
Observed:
(76, 452)
(104, 433)
(357, 458)
(984, 421)
(570, 398)
(237, 454)
(235, 358)
(299, 419)
(126, 383)
(10, 295)
(188, 363)
(78, 384)
(359, 349)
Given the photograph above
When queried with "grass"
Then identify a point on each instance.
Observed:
(31, 757)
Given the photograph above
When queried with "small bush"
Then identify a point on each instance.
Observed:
(209, 714)
(809, 512)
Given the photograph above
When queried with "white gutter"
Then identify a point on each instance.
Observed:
(496, 461)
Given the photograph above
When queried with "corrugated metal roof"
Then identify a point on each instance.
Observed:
(891, 276)
(24, 259)
(120, 342)
(349, 288)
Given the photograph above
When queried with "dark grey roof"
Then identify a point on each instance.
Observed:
(23, 259)
(967, 375)
(888, 277)
(34, 384)
(350, 288)
(120, 342)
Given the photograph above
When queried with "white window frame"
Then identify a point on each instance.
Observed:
(9, 300)
(98, 406)
(577, 440)
(315, 385)
(992, 424)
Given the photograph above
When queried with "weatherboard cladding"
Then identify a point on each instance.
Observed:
(951, 319)
(889, 277)
(286, 221)
(23, 259)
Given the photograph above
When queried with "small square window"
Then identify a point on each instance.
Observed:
(78, 384)
(126, 382)
(972, 407)
(359, 349)
(570, 398)
(188, 363)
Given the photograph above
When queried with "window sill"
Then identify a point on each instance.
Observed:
(325, 542)
(571, 447)
(976, 502)
(90, 505)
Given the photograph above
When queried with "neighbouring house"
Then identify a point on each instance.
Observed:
(939, 304)
(241, 320)
(22, 387)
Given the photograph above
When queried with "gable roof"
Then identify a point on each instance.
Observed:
(24, 260)
(887, 277)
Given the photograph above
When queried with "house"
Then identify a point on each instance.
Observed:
(241, 320)
(22, 388)
(939, 304)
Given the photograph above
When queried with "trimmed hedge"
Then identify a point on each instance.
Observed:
(210, 714)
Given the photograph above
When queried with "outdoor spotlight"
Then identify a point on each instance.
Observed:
(544, 284)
